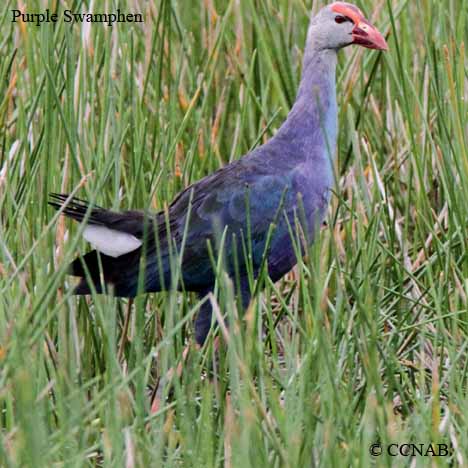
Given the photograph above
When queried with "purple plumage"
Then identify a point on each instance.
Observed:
(284, 183)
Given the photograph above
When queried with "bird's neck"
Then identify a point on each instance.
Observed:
(311, 125)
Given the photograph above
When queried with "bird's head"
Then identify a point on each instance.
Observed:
(341, 24)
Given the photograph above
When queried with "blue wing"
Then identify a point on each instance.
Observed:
(240, 201)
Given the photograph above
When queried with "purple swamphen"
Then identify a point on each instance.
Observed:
(285, 180)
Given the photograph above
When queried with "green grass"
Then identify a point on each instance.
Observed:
(365, 341)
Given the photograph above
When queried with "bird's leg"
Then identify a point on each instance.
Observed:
(204, 317)
(203, 321)
(244, 295)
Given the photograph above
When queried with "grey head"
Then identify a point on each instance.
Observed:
(341, 24)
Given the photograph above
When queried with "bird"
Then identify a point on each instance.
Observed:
(250, 204)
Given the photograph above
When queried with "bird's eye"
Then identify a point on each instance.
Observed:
(341, 19)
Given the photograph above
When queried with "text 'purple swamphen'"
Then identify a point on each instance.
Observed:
(286, 179)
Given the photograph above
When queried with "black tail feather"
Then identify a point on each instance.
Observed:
(74, 208)
(91, 260)
(114, 271)
(88, 267)
(83, 288)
